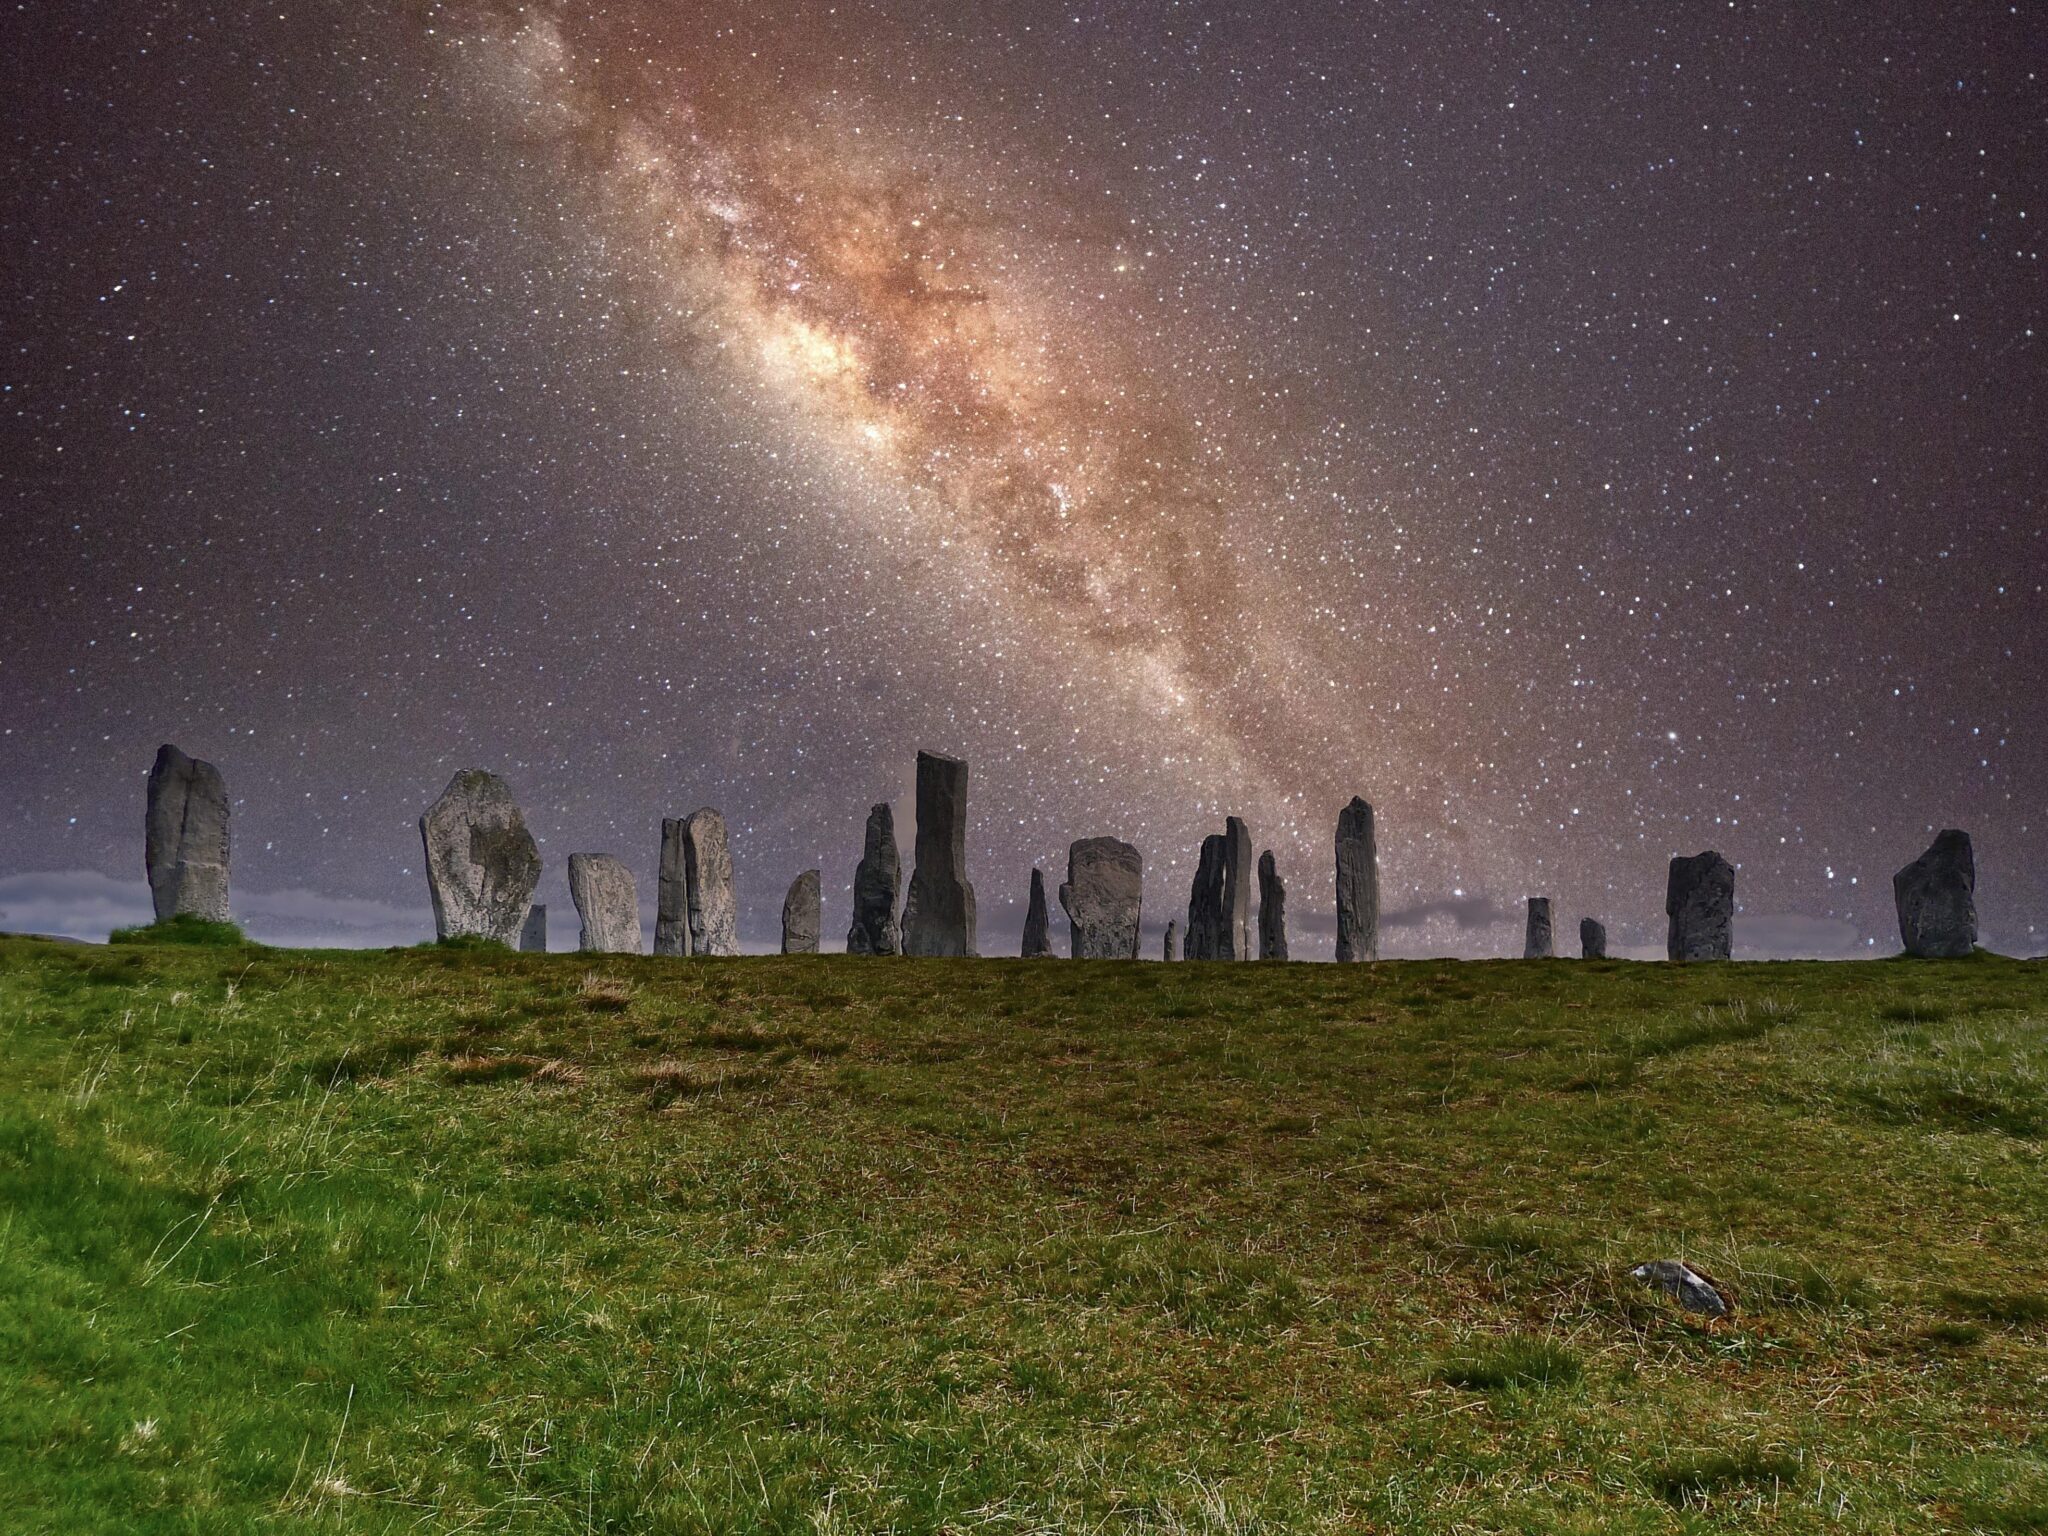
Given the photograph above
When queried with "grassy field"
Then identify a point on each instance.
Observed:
(462, 1241)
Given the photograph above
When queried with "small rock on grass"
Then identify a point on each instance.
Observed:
(1685, 1285)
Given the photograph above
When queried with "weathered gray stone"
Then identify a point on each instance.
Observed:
(877, 882)
(1685, 1285)
(1272, 909)
(1037, 926)
(707, 863)
(1592, 939)
(672, 892)
(608, 903)
(1102, 897)
(802, 919)
(1358, 884)
(1937, 899)
(482, 864)
(1219, 905)
(1169, 948)
(533, 933)
(1207, 925)
(1237, 887)
(1538, 940)
(185, 837)
(938, 914)
(1699, 899)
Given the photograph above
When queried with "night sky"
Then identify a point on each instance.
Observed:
(1592, 433)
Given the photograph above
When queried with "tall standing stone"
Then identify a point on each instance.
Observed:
(877, 882)
(1592, 939)
(1699, 899)
(1220, 902)
(1207, 936)
(1538, 940)
(707, 863)
(1937, 899)
(482, 863)
(801, 915)
(938, 914)
(533, 933)
(1272, 909)
(1037, 934)
(672, 892)
(1237, 887)
(607, 901)
(1102, 898)
(1358, 884)
(1169, 947)
(185, 837)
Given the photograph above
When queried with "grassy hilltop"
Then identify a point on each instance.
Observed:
(444, 1240)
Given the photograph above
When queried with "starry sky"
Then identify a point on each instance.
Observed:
(1592, 433)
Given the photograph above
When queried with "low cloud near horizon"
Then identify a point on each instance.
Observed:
(85, 904)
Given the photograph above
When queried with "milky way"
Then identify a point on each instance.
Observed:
(1590, 439)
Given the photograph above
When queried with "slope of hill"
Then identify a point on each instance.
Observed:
(454, 1240)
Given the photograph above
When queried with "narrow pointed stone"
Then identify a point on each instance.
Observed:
(1037, 937)
(1220, 901)
(607, 902)
(938, 914)
(185, 838)
(672, 893)
(1207, 924)
(482, 863)
(877, 883)
(1102, 898)
(1272, 909)
(1237, 887)
(1358, 883)
(1169, 948)
(801, 914)
(1538, 940)
(533, 933)
(1592, 939)
(1699, 899)
(1936, 896)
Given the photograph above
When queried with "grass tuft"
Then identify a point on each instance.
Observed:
(1526, 1360)
(1701, 1476)
(182, 929)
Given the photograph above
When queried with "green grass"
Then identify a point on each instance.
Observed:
(467, 1240)
(184, 928)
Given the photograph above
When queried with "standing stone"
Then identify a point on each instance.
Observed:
(533, 933)
(482, 864)
(607, 901)
(938, 914)
(1237, 887)
(1101, 896)
(801, 919)
(1700, 901)
(1037, 938)
(185, 838)
(1207, 936)
(877, 881)
(1272, 910)
(1592, 939)
(1937, 899)
(1358, 884)
(707, 864)
(672, 893)
(1220, 904)
(1170, 948)
(1538, 942)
